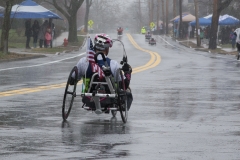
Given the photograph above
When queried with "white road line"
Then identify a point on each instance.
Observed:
(42, 63)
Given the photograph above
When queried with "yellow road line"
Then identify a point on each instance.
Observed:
(155, 59)
(153, 62)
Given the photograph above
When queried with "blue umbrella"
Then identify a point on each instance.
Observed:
(30, 10)
(228, 20)
(202, 22)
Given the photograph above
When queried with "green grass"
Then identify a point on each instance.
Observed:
(17, 39)
(48, 50)
(226, 46)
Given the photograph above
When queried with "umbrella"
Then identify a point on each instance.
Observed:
(177, 17)
(186, 18)
(225, 20)
(202, 22)
(228, 20)
(29, 9)
(208, 17)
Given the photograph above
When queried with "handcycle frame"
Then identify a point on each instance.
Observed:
(117, 95)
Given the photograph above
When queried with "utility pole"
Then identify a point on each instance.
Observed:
(166, 16)
(140, 14)
(163, 17)
(151, 11)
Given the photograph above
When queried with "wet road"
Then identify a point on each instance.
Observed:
(185, 107)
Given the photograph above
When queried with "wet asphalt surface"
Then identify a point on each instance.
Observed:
(187, 107)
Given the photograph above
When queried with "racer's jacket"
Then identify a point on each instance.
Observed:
(148, 36)
(119, 30)
(84, 67)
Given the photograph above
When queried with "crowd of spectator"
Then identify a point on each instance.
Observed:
(44, 33)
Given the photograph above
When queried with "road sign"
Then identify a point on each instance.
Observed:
(90, 22)
(152, 25)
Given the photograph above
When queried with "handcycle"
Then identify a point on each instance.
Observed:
(152, 41)
(101, 96)
(119, 36)
(148, 37)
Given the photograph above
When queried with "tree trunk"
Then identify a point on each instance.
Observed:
(197, 23)
(180, 20)
(69, 10)
(167, 17)
(86, 17)
(72, 36)
(6, 27)
(218, 6)
(174, 8)
(214, 26)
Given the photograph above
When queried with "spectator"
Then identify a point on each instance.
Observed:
(35, 28)
(41, 34)
(161, 28)
(52, 26)
(28, 32)
(233, 37)
(48, 37)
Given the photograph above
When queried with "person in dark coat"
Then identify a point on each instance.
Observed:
(35, 28)
(28, 32)
(41, 34)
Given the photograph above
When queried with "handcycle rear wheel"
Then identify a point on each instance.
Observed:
(70, 93)
(121, 96)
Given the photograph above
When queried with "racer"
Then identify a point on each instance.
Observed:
(102, 43)
(152, 41)
(120, 31)
(148, 35)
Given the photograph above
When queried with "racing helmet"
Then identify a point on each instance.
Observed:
(102, 42)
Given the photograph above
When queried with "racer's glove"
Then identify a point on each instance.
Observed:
(127, 68)
(107, 71)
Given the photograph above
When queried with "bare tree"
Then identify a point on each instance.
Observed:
(88, 5)
(218, 6)
(103, 13)
(180, 30)
(6, 26)
(197, 24)
(69, 10)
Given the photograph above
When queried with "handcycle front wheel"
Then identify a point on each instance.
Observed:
(121, 96)
(70, 93)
